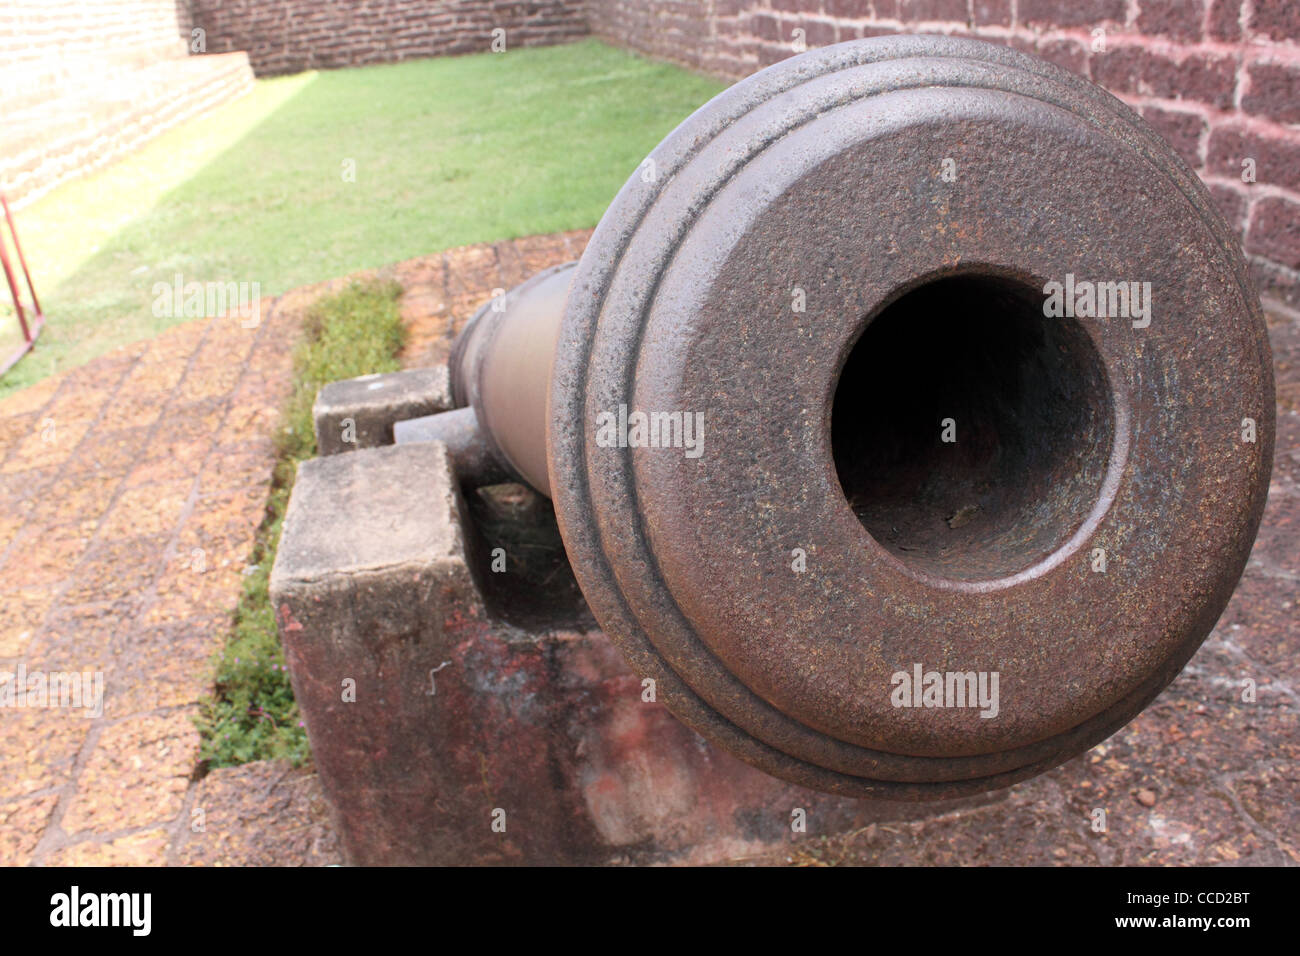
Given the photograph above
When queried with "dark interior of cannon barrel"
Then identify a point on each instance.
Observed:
(971, 433)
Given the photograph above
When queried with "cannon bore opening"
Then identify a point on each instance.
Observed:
(971, 433)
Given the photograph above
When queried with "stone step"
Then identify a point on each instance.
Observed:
(55, 141)
(41, 77)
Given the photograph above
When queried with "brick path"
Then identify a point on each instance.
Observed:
(113, 477)
(113, 474)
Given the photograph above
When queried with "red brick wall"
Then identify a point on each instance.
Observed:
(1220, 79)
(285, 36)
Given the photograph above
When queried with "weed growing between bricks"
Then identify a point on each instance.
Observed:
(252, 714)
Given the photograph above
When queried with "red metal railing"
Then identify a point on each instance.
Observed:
(31, 329)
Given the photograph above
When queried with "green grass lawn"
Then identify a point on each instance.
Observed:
(447, 151)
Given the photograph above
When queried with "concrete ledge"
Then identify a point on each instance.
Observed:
(444, 736)
(359, 412)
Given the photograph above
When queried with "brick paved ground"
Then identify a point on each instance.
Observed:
(112, 475)
(118, 481)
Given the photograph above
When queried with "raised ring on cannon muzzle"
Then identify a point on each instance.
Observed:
(968, 351)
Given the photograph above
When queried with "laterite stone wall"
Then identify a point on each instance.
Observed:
(286, 36)
(1220, 79)
(85, 82)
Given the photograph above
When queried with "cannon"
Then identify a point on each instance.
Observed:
(908, 419)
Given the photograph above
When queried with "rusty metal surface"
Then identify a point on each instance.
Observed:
(500, 367)
(823, 176)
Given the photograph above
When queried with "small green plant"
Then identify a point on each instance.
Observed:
(252, 715)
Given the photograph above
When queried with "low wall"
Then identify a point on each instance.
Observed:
(286, 36)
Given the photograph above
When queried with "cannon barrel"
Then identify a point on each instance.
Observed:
(908, 418)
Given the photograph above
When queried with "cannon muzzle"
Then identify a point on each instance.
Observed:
(908, 419)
